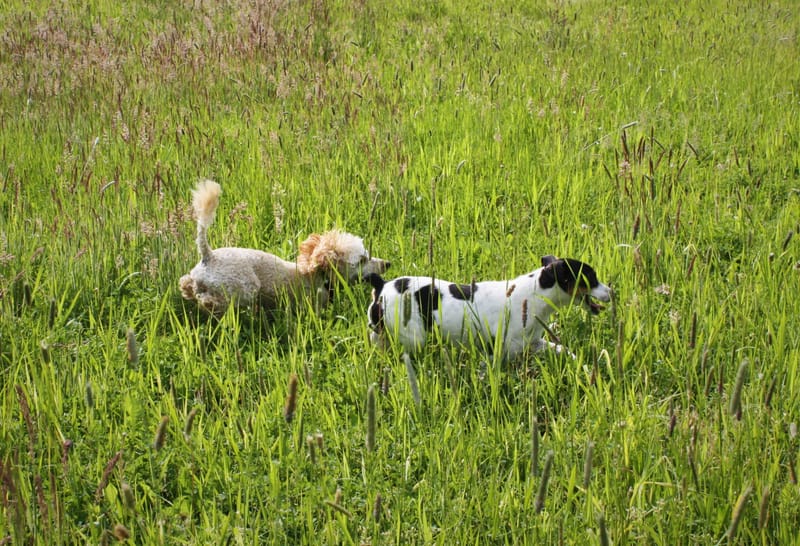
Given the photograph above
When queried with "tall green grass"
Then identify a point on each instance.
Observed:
(657, 142)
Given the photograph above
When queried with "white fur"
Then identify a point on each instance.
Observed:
(248, 276)
(507, 315)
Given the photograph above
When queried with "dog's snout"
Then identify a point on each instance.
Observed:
(601, 292)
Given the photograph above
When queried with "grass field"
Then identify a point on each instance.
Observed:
(657, 141)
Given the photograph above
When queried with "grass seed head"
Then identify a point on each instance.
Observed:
(371, 425)
(638, 261)
(66, 446)
(45, 348)
(89, 395)
(161, 433)
(291, 399)
(738, 510)
(763, 508)
(26, 415)
(770, 391)
(541, 493)
(132, 348)
(312, 453)
(27, 294)
(53, 313)
(524, 313)
(736, 396)
(673, 420)
(709, 381)
(376, 508)
(121, 532)
(385, 382)
(110, 465)
(128, 498)
(601, 526)
(406, 308)
(187, 428)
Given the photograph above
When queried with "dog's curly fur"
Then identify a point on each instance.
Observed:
(248, 276)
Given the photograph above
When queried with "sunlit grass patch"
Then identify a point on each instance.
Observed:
(459, 140)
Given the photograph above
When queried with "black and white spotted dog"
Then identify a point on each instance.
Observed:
(512, 312)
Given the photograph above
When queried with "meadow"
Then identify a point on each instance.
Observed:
(657, 141)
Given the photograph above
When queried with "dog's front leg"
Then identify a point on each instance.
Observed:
(321, 299)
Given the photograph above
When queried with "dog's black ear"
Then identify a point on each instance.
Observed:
(547, 260)
(376, 281)
(582, 275)
(564, 272)
(547, 278)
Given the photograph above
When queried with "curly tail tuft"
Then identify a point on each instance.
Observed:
(205, 199)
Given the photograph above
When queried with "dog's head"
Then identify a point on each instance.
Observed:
(340, 252)
(576, 279)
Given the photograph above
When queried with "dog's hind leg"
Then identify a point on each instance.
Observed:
(412, 378)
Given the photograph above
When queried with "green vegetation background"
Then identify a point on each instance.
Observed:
(658, 141)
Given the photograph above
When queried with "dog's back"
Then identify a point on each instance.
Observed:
(409, 308)
(511, 312)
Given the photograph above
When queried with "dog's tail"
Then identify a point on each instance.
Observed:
(205, 199)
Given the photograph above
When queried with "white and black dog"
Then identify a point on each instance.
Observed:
(511, 312)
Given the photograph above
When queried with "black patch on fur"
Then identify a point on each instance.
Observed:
(375, 310)
(547, 278)
(464, 292)
(547, 260)
(376, 315)
(376, 281)
(428, 299)
(401, 284)
(569, 274)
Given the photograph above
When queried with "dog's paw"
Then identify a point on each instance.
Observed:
(560, 349)
(187, 287)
